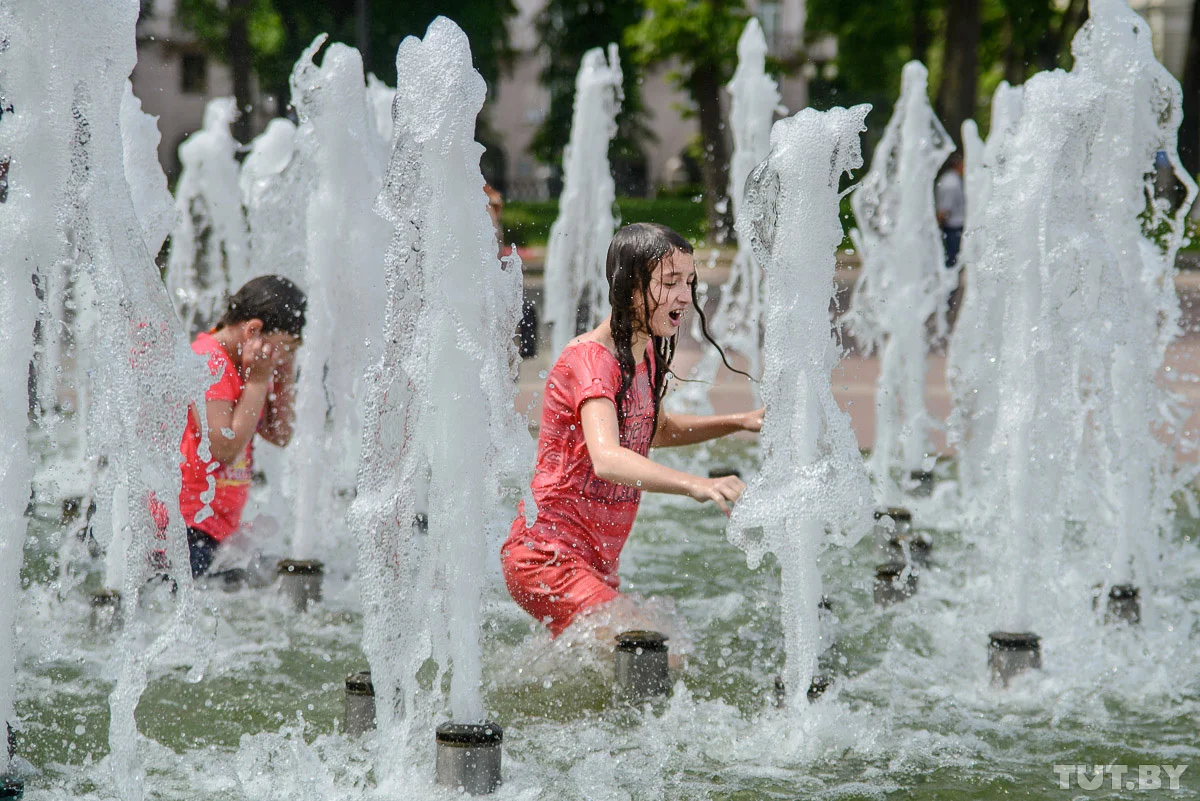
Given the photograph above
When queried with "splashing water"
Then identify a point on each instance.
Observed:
(440, 429)
(209, 252)
(72, 164)
(380, 97)
(812, 490)
(737, 323)
(274, 181)
(578, 246)
(971, 361)
(23, 236)
(343, 277)
(1140, 118)
(903, 281)
(1086, 307)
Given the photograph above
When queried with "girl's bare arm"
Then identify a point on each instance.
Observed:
(688, 429)
(617, 464)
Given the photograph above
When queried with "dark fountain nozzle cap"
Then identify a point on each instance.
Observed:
(470, 734)
(360, 683)
(1014, 640)
(722, 471)
(301, 567)
(891, 570)
(106, 597)
(11, 787)
(1122, 592)
(897, 513)
(645, 640)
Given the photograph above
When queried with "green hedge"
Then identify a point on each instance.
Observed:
(528, 222)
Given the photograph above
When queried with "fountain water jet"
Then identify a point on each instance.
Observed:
(811, 490)
(209, 251)
(971, 363)
(1140, 118)
(73, 168)
(903, 281)
(737, 322)
(274, 182)
(440, 428)
(343, 276)
(579, 237)
(21, 214)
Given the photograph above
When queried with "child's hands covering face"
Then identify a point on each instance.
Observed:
(258, 359)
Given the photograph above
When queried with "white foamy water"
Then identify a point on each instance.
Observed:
(1082, 307)
(440, 430)
(209, 251)
(74, 158)
(737, 322)
(275, 183)
(903, 281)
(812, 490)
(971, 361)
(338, 143)
(579, 237)
(1125, 353)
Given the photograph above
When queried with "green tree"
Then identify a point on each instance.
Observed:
(874, 42)
(959, 87)
(1189, 131)
(567, 29)
(269, 35)
(1006, 39)
(700, 38)
(240, 34)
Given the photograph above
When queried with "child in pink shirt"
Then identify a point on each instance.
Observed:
(251, 353)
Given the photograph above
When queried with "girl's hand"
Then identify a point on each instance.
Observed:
(722, 491)
(753, 421)
(258, 356)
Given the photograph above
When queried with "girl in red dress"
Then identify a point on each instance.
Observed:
(601, 412)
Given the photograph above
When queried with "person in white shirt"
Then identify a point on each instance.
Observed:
(951, 206)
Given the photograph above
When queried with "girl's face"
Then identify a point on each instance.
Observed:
(670, 294)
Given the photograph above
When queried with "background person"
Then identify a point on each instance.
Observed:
(251, 352)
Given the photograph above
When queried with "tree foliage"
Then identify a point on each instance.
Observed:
(279, 30)
(567, 29)
(1016, 39)
(699, 39)
(694, 34)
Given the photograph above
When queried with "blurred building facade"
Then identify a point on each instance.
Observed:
(1169, 21)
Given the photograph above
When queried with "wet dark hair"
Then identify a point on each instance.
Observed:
(635, 251)
(275, 300)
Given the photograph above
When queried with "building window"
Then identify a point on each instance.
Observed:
(194, 74)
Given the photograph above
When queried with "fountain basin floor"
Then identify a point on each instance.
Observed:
(911, 713)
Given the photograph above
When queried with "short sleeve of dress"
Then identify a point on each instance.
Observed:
(227, 386)
(594, 373)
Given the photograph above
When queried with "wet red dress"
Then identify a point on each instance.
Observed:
(567, 561)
